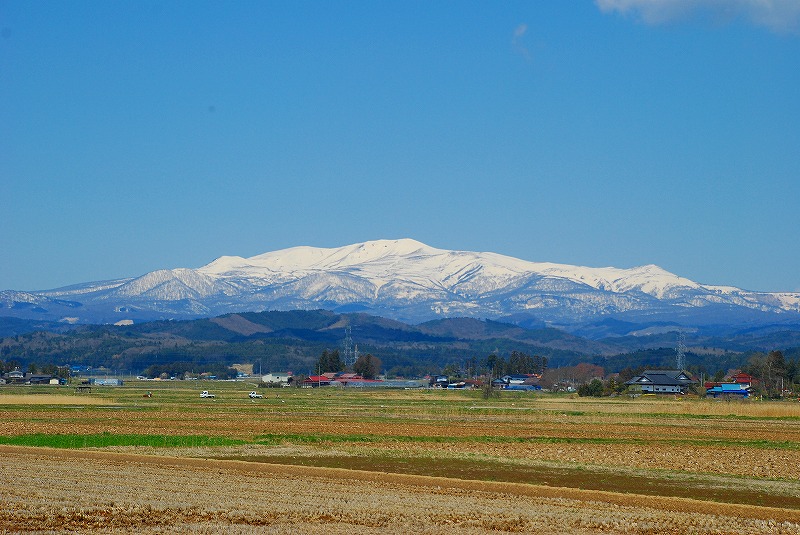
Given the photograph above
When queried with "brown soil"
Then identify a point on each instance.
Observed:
(103, 492)
(731, 491)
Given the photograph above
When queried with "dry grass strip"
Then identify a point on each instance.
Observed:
(51, 399)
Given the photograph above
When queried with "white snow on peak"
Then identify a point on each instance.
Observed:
(404, 274)
(226, 264)
(465, 272)
(171, 284)
(305, 257)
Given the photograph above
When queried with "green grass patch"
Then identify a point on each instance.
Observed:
(299, 438)
(105, 440)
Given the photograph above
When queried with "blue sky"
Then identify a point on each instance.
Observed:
(143, 135)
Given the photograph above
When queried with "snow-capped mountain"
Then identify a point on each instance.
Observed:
(401, 279)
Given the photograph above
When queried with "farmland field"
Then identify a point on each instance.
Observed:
(406, 461)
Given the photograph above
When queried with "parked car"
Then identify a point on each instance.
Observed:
(254, 395)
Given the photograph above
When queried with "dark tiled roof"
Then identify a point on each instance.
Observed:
(661, 378)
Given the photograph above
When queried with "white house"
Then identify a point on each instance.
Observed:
(662, 381)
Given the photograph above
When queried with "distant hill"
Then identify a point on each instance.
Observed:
(10, 326)
(293, 340)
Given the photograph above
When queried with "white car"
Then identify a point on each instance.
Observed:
(206, 394)
(254, 395)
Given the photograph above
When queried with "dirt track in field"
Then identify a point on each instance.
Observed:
(104, 492)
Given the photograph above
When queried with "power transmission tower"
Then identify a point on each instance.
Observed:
(349, 355)
(680, 352)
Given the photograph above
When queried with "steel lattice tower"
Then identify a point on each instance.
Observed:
(680, 352)
(349, 355)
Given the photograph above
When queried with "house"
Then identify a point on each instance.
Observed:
(525, 381)
(517, 379)
(743, 378)
(38, 379)
(439, 381)
(498, 383)
(14, 377)
(662, 381)
(735, 377)
(315, 381)
(18, 377)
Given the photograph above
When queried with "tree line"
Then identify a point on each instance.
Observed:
(775, 373)
(367, 366)
(34, 368)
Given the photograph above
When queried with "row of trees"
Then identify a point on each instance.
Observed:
(775, 373)
(496, 366)
(32, 367)
(9, 366)
(369, 366)
(180, 370)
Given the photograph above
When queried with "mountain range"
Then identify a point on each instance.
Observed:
(411, 282)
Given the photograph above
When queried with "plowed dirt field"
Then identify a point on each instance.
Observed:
(101, 492)
(338, 461)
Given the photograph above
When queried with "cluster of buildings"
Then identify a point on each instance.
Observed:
(522, 381)
(737, 385)
(647, 382)
(18, 377)
(353, 380)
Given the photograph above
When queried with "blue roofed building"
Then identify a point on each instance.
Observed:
(729, 390)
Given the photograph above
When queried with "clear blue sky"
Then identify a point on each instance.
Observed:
(139, 135)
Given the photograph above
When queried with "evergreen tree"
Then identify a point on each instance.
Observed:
(367, 366)
(496, 365)
(593, 389)
(330, 361)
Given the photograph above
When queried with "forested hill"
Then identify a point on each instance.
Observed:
(294, 340)
(288, 340)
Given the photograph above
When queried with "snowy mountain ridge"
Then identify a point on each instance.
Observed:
(403, 279)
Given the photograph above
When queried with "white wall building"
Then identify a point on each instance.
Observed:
(276, 377)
